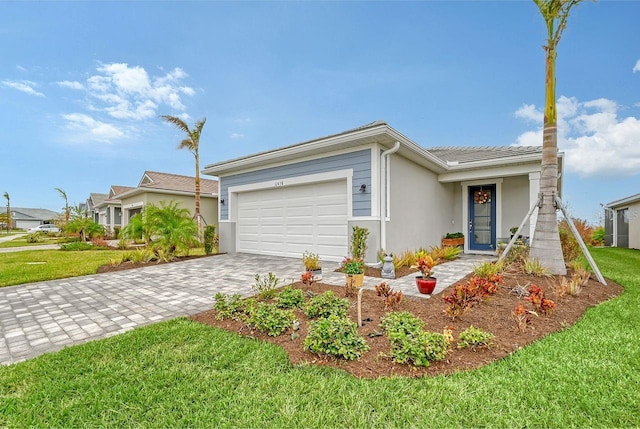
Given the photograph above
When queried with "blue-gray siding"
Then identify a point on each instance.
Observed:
(359, 161)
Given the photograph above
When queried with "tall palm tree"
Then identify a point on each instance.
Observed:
(192, 143)
(6, 195)
(546, 246)
(67, 210)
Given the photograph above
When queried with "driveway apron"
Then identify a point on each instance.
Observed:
(42, 317)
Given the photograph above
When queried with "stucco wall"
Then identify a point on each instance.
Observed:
(422, 209)
(515, 204)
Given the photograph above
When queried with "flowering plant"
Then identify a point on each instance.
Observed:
(424, 264)
(353, 266)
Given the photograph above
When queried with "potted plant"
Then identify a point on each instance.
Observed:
(453, 239)
(425, 283)
(353, 269)
(311, 263)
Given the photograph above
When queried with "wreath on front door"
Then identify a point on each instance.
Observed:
(481, 197)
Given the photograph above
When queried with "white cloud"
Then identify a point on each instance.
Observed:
(22, 69)
(92, 128)
(636, 68)
(235, 136)
(595, 140)
(23, 86)
(70, 84)
(128, 92)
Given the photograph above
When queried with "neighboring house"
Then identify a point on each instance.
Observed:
(156, 187)
(309, 195)
(110, 209)
(24, 218)
(622, 222)
(93, 200)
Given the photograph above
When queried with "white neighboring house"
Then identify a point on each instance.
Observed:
(110, 209)
(24, 218)
(91, 203)
(309, 195)
(622, 222)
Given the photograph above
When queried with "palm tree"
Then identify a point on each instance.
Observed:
(6, 195)
(192, 143)
(67, 210)
(546, 246)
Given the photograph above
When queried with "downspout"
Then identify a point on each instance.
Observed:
(384, 190)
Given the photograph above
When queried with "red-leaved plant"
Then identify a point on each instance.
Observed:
(463, 297)
(391, 298)
(521, 316)
(539, 302)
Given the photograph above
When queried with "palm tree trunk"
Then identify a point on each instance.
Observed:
(546, 246)
(197, 200)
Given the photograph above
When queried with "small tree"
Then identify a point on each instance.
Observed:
(67, 209)
(6, 195)
(81, 223)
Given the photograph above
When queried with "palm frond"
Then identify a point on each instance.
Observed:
(177, 122)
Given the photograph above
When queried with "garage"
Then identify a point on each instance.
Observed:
(287, 221)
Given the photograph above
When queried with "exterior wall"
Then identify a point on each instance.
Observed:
(208, 205)
(634, 225)
(24, 224)
(515, 205)
(359, 161)
(421, 208)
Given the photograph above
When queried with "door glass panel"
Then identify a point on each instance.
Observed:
(482, 200)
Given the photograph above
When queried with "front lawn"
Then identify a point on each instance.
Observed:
(41, 265)
(184, 374)
(22, 242)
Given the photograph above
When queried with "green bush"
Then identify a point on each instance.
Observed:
(265, 286)
(78, 245)
(229, 307)
(270, 319)
(290, 298)
(209, 239)
(335, 336)
(36, 237)
(326, 305)
(359, 238)
(474, 338)
(143, 254)
(409, 343)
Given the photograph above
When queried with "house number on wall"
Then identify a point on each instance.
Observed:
(279, 183)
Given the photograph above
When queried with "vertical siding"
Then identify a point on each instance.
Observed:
(359, 161)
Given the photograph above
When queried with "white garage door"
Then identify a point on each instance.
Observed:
(291, 220)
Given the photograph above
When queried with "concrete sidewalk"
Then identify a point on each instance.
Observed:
(42, 317)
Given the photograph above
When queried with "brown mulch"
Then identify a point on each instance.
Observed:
(377, 272)
(107, 268)
(493, 315)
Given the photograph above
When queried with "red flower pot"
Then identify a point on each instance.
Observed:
(427, 285)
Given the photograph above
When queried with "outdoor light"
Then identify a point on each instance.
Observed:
(363, 188)
(222, 201)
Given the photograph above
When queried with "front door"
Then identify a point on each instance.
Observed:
(482, 217)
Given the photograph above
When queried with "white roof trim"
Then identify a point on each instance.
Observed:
(624, 201)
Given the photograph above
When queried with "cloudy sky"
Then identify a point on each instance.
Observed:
(82, 85)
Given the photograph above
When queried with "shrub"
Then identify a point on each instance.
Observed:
(335, 336)
(36, 237)
(326, 305)
(535, 268)
(441, 254)
(270, 319)
(76, 246)
(488, 269)
(391, 298)
(210, 245)
(359, 238)
(265, 286)
(142, 255)
(539, 302)
(307, 278)
(290, 298)
(463, 297)
(570, 247)
(311, 261)
(409, 343)
(521, 317)
(597, 237)
(229, 307)
(100, 242)
(474, 338)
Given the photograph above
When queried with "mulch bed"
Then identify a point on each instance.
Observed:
(129, 265)
(492, 315)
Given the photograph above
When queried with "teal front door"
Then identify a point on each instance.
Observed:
(482, 217)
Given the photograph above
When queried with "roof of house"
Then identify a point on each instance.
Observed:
(454, 155)
(437, 159)
(176, 182)
(23, 213)
(97, 198)
(624, 201)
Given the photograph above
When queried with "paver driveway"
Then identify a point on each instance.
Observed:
(41, 317)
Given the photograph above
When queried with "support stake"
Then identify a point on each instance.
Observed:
(517, 234)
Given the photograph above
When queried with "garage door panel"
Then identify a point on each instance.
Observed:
(289, 221)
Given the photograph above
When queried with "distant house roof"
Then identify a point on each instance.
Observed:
(176, 182)
(97, 198)
(624, 201)
(23, 213)
(113, 196)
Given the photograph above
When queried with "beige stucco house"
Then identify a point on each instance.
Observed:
(109, 210)
(307, 196)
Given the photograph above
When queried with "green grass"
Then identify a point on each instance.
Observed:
(22, 242)
(42, 265)
(180, 373)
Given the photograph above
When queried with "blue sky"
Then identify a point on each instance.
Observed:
(82, 85)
